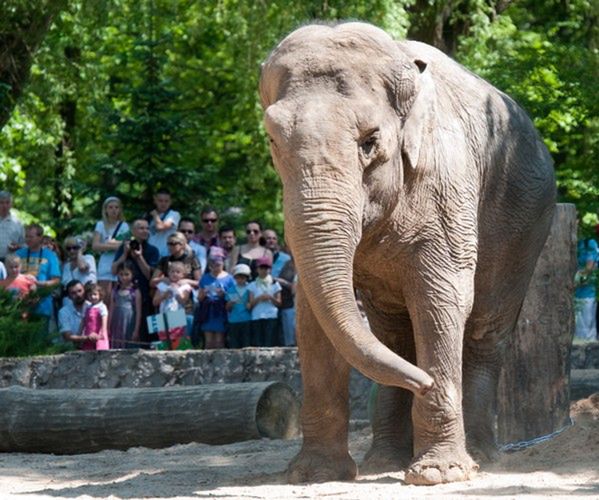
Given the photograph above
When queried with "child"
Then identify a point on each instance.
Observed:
(95, 320)
(19, 284)
(211, 315)
(264, 301)
(238, 314)
(125, 310)
(172, 296)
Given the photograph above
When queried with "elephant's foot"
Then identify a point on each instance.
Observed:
(385, 458)
(436, 468)
(316, 466)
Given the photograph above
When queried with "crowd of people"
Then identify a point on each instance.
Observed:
(227, 294)
(231, 295)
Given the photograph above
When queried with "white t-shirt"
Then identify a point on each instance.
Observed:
(159, 239)
(172, 304)
(69, 274)
(266, 309)
(107, 258)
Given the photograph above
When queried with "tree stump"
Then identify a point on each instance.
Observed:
(70, 421)
(534, 389)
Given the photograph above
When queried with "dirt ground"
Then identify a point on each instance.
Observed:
(566, 466)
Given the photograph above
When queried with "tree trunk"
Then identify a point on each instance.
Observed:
(25, 25)
(80, 421)
(534, 389)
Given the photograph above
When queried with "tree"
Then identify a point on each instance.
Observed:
(23, 26)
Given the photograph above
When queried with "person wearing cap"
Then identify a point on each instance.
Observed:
(238, 314)
(264, 301)
(108, 235)
(12, 234)
(211, 315)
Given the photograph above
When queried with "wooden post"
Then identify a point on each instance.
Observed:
(534, 392)
(68, 421)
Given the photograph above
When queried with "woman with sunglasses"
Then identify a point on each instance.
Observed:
(76, 265)
(254, 248)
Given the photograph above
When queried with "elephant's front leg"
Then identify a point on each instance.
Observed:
(438, 318)
(325, 410)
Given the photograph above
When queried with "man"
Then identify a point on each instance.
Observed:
(42, 263)
(12, 235)
(228, 241)
(163, 221)
(144, 257)
(71, 314)
(208, 237)
(187, 227)
(279, 258)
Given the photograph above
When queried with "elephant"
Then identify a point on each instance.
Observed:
(414, 181)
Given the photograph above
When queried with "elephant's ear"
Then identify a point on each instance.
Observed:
(415, 110)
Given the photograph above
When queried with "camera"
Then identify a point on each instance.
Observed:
(134, 245)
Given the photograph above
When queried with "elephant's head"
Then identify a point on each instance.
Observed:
(345, 110)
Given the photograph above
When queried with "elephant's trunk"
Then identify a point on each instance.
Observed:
(324, 242)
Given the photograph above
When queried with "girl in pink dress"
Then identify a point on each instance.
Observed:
(95, 320)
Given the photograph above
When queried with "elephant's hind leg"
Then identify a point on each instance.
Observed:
(392, 441)
(325, 410)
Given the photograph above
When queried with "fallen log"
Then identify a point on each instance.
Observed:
(71, 421)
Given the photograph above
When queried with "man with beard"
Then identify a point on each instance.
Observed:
(71, 314)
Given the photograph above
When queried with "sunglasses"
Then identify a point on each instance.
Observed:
(173, 243)
(185, 231)
(76, 247)
(252, 231)
(209, 220)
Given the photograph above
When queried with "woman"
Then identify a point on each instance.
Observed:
(77, 266)
(108, 235)
(254, 248)
(179, 251)
(212, 315)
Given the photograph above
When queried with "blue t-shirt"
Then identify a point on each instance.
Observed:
(211, 284)
(44, 265)
(240, 295)
(587, 252)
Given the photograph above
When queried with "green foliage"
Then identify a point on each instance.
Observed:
(164, 93)
(546, 57)
(21, 333)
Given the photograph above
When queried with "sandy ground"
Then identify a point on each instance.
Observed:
(566, 466)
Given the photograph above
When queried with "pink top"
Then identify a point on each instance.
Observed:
(92, 323)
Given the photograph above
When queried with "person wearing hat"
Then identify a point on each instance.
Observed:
(264, 301)
(238, 314)
(211, 317)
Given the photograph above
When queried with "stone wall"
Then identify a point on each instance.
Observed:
(585, 356)
(139, 368)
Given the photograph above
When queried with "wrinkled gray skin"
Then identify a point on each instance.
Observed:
(418, 183)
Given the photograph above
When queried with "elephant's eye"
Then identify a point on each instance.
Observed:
(368, 145)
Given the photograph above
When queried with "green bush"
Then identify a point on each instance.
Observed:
(22, 333)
